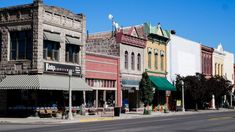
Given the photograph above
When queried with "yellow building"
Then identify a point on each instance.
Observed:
(156, 63)
(218, 61)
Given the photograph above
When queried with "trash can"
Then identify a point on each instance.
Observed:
(116, 111)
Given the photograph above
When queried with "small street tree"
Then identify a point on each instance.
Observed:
(146, 92)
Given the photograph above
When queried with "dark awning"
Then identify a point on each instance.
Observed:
(73, 40)
(51, 36)
(161, 83)
(44, 82)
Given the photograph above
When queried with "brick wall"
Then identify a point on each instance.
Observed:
(104, 67)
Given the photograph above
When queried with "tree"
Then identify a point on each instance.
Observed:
(146, 91)
(195, 88)
(219, 86)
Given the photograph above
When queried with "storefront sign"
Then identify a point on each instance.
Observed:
(178, 102)
(61, 68)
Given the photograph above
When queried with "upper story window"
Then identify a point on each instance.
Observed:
(162, 60)
(215, 68)
(138, 62)
(126, 60)
(72, 49)
(221, 70)
(51, 46)
(72, 53)
(132, 61)
(156, 59)
(149, 59)
(21, 45)
(218, 70)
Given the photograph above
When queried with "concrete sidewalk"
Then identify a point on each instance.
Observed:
(92, 118)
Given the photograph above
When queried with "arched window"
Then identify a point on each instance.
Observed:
(138, 62)
(149, 59)
(162, 60)
(126, 60)
(132, 61)
(156, 60)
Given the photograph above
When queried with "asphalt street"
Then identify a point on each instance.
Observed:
(209, 122)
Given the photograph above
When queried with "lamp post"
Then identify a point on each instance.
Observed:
(70, 116)
(115, 25)
(111, 18)
(183, 108)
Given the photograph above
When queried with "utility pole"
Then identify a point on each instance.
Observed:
(183, 108)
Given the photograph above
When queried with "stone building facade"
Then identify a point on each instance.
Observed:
(206, 53)
(38, 40)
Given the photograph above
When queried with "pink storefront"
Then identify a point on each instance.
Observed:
(102, 74)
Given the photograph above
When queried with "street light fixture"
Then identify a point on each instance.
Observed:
(115, 25)
(70, 116)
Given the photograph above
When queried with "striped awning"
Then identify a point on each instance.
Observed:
(44, 82)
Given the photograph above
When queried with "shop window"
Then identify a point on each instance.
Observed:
(126, 60)
(138, 62)
(21, 45)
(132, 61)
(51, 50)
(72, 53)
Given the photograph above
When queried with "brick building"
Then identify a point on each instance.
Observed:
(39, 45)
(127, 43)
(206, 54)
(103, 76)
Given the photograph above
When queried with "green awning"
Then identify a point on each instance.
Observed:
(161, 83)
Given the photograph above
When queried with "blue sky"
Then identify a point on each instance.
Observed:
(206, 21)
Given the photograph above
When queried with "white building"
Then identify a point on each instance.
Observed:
(184, 57)
(228, 66)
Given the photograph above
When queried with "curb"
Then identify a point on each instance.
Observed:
(124, 117)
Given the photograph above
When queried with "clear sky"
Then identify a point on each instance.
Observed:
(206, 21)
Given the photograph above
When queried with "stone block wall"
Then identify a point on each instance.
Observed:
(38, 17)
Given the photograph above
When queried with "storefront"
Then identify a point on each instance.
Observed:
(130, 95)
(162, 92)
(26, 94)
(102, 75)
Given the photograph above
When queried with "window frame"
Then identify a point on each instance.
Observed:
(133, 61)
(139, 62)
(74, 55)
(55, 50)
(149, 59)
(126, 59)
(21, 45)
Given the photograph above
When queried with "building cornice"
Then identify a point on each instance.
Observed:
(130, 40)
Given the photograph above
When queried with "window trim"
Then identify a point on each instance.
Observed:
(133, 61)
(126, 55)
(138, 62)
